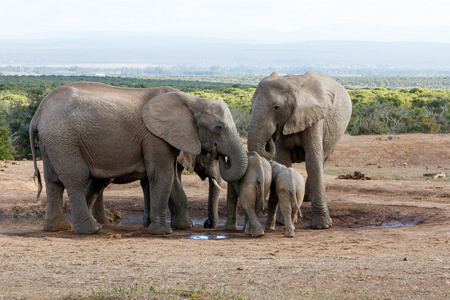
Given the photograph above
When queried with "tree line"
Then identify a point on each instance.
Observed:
(378, 110)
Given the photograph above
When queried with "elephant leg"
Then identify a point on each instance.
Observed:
(83, 222)
(271, 210)
(287, 211)
(54, 219)
(213, 206)
(314, 167)
(94, 199)
(247, 226)
(146, 191)
(76, 180)
(248, 198)
(160, 189)
(232, 196)
(279, 217)
(253, 222)
(178, 205)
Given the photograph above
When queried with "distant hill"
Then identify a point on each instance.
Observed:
(338, 57)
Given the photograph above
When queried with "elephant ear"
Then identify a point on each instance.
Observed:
(187, 160)
(169, 117)
(312, 103)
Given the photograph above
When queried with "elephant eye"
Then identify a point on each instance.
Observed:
(218, 128)
(276, 108)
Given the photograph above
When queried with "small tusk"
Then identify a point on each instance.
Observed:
(216, 183)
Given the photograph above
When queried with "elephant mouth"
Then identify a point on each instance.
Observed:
(270, 144)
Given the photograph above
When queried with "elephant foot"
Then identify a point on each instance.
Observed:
(146, 220)
(101, 218)
(248, 229)
(182, 223)
(270, 227)
(210, 223)
(230, 226)
(322, 221)
(289, 232)
(257, 232)
(159, 229)
(88, 226)
(59, 224)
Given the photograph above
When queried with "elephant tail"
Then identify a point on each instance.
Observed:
(293, 191)
(260, 201)
(299, 212)
(32, 131)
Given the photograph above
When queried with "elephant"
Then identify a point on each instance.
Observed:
(300, 118)
(286, 190)
(96, 131)
(203, 164)
(205, 167)
(252, 191)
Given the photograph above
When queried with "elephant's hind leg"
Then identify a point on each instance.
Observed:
(54, 218)
(83, 222)
(94, 199)
(76, 183)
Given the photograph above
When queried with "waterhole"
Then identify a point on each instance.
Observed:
(207, 237)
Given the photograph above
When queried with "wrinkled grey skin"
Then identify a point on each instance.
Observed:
(252, 190)
(205, 167)
(298, 118)
(95, 131)
(286, 190)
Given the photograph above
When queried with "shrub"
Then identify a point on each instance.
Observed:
(6, 148)
(241, 118)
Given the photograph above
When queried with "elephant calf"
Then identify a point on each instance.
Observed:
(287, 190)
(252, 190)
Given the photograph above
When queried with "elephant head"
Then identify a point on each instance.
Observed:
(196, 125)
(285, 105)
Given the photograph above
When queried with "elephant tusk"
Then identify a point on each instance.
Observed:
(216, 183)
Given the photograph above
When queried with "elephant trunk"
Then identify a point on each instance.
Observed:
(260, 141)
(234, 166)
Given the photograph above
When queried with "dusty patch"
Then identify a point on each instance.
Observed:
(389, 240)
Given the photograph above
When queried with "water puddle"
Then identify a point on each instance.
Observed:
(396, 224)
(207, 237)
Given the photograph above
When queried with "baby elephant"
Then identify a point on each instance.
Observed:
(252, 190)
(287, 190)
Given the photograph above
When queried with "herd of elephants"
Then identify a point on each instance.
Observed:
(92, 134)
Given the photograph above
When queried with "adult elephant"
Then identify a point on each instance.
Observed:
(92, 130)
(298, 118)
(203, 165)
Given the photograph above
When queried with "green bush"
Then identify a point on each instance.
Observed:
(6, 148)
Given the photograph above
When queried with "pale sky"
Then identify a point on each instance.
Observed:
(25, 17)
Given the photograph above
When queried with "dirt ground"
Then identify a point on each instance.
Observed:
(389, 240)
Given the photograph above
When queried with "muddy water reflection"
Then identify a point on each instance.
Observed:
(207, 237)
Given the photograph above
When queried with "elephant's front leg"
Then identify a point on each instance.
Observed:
(179, 205)
(213, 206)
(160, 182)
(231, 222)
(146, 191)
(314, 167)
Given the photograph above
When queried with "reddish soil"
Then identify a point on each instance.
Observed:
(389, 240)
